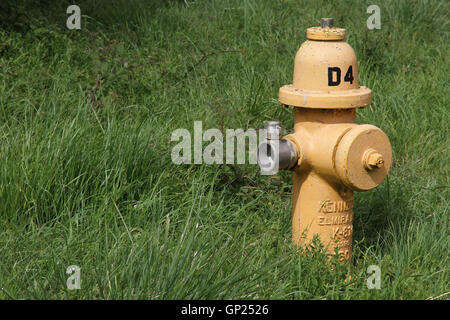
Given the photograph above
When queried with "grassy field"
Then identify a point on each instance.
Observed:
(87, 178)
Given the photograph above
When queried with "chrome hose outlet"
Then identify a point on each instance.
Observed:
(274, 153)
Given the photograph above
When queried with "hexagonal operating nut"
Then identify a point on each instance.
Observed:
(326, 22)
(274, 155)
(373, 159)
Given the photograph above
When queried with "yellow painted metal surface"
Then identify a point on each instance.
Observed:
(335, 156)
(325, 73)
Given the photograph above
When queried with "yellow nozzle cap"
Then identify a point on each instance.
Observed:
(363, 157)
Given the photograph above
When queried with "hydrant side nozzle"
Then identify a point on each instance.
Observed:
(274, 153)
(288, 154)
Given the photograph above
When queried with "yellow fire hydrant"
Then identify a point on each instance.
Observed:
(330, 155)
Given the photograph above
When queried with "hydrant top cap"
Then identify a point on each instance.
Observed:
(326, 31)
(325, 72)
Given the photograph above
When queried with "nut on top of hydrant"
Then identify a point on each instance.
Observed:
(325, 72)
(326, 31)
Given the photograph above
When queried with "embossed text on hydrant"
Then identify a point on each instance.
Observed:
(328, 206)
(335, 220)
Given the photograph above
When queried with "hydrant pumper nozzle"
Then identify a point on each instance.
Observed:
(330, 155)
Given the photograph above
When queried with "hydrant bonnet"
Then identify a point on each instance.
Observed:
(325, 72)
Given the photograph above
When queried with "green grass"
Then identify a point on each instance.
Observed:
(86, 176)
